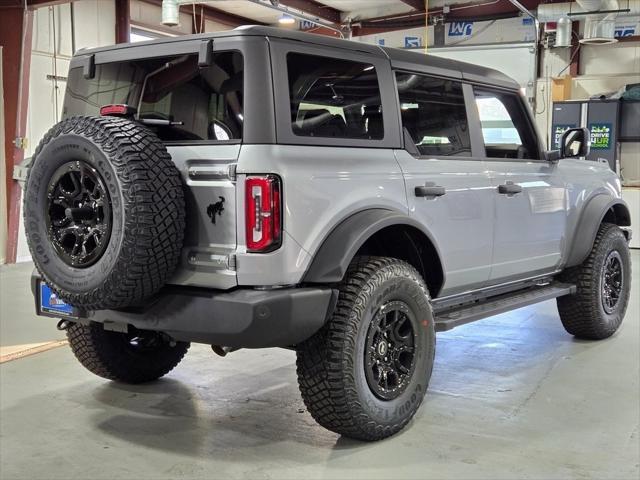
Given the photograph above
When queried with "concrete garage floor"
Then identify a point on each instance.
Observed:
(512, 396)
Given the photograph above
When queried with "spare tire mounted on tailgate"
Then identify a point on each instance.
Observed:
(104, 212)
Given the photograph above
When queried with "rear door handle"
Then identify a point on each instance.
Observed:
(430, 191)
(509, 188)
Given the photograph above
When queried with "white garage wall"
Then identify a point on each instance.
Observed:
(500, 31)
(94, 26)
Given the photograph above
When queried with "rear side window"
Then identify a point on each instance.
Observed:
(433, 112)
(505, 128)
(334, 98)
(189, 102)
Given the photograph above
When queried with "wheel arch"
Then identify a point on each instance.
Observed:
(601, 208)
(377, 232)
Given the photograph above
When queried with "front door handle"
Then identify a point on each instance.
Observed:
(509, 188)
(429, 191)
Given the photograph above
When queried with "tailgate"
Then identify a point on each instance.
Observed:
(208, 256)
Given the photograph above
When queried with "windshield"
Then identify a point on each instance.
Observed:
(188, 102)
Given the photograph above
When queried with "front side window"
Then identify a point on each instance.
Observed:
(433, 112)
(179, 100)
(505, 129)
(334, 98)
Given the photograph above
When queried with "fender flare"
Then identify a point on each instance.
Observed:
(332, 259)
(590, 220)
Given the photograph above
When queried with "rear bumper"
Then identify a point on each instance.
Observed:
(239, 318)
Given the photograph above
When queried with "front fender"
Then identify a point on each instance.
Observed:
(332, 259)
(591, 218)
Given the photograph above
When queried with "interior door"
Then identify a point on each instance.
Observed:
(448, 190)
(530, 194)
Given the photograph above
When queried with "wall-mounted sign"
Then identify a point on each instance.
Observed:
(307, 25)
(460, 29)
(412, 42)
(625, 31)
(558, 130)
(600, 135)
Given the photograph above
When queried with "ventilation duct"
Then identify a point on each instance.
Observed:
(170, 13)
(599, 28)
(563, 32)
(599, 17)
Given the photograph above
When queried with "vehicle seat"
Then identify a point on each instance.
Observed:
(320, 123)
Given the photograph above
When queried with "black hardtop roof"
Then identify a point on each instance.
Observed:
(402, 59)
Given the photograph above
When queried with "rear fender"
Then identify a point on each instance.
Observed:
(332, 259)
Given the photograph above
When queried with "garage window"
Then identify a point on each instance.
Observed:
(334, 98)
(433, 112)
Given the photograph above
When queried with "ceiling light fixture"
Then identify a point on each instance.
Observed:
(286, 20)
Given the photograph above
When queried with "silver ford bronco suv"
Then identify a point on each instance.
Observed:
(265, 188)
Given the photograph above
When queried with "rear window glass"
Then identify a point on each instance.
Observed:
(186, 101)
(334, 98)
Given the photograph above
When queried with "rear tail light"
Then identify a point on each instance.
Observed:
(263, 215)
(117, 111)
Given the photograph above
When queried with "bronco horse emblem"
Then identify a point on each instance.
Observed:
(215, 209)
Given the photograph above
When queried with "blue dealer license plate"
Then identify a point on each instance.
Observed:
(50, 304)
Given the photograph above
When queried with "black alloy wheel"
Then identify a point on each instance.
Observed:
(612, 282)
(389, 350)
(78, 218)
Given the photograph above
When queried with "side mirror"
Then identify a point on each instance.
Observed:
(575, 142)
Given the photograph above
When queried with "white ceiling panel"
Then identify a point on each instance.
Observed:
(367, 8)
(352, 5)
(246, 9)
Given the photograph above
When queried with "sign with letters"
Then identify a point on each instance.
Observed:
(460, 29)
(600, 136)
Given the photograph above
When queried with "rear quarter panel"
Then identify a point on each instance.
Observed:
(322, 186)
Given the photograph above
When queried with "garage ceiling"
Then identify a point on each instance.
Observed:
(346, 8)
(336, 11)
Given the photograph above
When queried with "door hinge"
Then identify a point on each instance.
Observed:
(231, 173)
(21, 142)
(21, 171)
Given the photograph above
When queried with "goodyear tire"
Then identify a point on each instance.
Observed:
(137, 356)
(603, 280)
(104, 212)
(365, 373)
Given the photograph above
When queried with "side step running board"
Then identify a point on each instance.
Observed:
(459, 315)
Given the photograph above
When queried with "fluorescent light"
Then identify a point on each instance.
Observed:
(286, 20)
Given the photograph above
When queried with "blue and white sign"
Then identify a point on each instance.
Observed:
(625, 31)
(411, 42)
(381, 42)
(460, 29)
(51, 304)
(307, 25)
